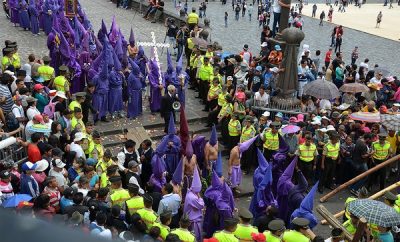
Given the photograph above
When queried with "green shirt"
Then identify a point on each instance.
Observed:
(225, 236)
(184, 235)
(243, 232)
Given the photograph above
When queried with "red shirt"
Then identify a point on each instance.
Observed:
(34, 153)
(55, 196)
(328, 56)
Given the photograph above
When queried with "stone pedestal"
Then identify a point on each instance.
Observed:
(287, 84)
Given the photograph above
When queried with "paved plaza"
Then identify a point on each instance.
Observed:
(379, 50)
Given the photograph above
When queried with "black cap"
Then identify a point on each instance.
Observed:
(5, 174)
(77, 110)
(246, 46)
(275, 124)
(80, 94)
(245, 213)
(95, 134)
(390, 196)
(147, 198)
(167, 213)
(57, 152)
(229, 222)
(133, 188)
(276, 225)
(63, 68)
(21, 73)
(46, 59)
(301, 222)
(114, 179)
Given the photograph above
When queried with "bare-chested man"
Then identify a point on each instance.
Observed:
(234, 171)
(211, 151)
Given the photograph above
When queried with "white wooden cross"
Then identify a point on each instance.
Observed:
(155, 45)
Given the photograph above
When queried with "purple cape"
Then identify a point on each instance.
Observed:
(134, 91)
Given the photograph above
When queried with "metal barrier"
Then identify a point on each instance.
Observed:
(275, 108)
(11, 150)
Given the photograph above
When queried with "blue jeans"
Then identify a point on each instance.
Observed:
(277, 17)
(249, 16)
(359, 169)
(226, 23)
(180, 52)
(237, 16)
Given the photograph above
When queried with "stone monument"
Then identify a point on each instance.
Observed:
(289, 39)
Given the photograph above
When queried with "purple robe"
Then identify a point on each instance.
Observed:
(193, 207)
(172, 153)
(296, 194)
(198, 143)
(115, 92)
(236, 176)
(100, 95)
(306, 208)
(157, 179)
(84, 62)
(23, 15)
(34, 17)
(219, 206)
(134, 91)
(141, 61)
(258, 176)
(39, 7)
(155, 91)
(49, 9)
(284, 185)
(13, 6)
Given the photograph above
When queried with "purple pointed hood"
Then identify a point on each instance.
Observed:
(215, 181)
(177, 177)
(213, 139)
(262, 162)
(285, 181)
(306, 208)
(134, 66)
(246, 145)
(158, 166)
(196, 183)
(119, 50)
(132, 38)
(170, 68)
(171, 126)
(218, 165)
(114, 33)
(189, 150)
(162, 146)
(179, 66)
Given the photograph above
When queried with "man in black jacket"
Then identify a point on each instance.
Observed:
(166, 106)
(87, 104)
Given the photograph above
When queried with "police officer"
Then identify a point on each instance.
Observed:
(7, 59)
(77, 103)
(60, 82)
(77, 122)
(298, 234)
(135, 202)
(105, 162)
(226, 235)
(96, 149)
(248, 132)
(45, 71)
(351, 224)
(330, 157)
(165, 220)
(381, 151)
(271, 140)
(205, 73)
(183, 233)
(390, 199)
(192, 19)
(118, 195)
(276, 228)
(244, 228)
(308, 154)
(147, 213)
(234, 129)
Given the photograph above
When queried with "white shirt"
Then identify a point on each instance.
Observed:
(325, 104)
(121, 159)
(27, 127)
(18, 111)
(246, 56)
(374, 80)
(261, 100)
(365, 65)
(276, 7)
(330, 240)
(61, 180)
(133, 180)
(78, 149)
(31, 112)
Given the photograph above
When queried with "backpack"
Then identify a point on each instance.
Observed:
(50, 109)
(11, 121)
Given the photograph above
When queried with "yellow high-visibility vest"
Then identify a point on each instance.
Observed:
(193, 18)
(381, 152)
(59, 83)
(119, 197)
(271, 141)
(233, 127)
(307, 152)
(247, 133)
(134, 204)
(332, 150)
(46, 72)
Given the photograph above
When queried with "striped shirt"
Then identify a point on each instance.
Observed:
(5, 92)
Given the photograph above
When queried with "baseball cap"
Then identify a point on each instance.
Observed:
(79, 136)
(28, 166)
(277, 47)
(266, 114)
(38, 87)
(264, 44)
(316, 122)
(42, 165)
(58, 163)
(279, 115)
(275, 70)
(38, 118)
(259, 68)
(246, 46)
(61, 94)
